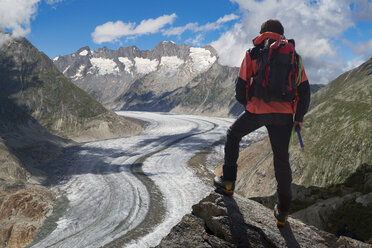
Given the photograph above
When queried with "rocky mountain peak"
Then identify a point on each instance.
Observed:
(84, 51)
(130, 52)
(108, 74)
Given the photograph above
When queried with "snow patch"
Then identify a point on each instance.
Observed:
(83, 53)
(171, 61)
(169, 41)
(202, 58)
(105, 66)
(127, 63)
(65, 70)
(171, 64)
(145, 66)
(56, 58)
(79, 73)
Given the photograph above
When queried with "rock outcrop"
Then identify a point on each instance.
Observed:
(221, 221)
(22, 213)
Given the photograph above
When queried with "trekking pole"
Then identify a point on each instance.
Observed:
(297, 128)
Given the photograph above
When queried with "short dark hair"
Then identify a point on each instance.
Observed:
(272, 25)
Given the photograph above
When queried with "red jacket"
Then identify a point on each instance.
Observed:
(256, 105)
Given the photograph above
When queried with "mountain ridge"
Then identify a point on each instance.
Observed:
(171, 71)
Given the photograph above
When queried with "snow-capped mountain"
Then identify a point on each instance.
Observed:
(155, 80)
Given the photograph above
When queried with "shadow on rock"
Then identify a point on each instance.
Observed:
(242, 234)
(288, 236)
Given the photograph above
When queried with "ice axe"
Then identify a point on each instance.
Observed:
(298, 131)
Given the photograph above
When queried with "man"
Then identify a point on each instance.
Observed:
(276, 115)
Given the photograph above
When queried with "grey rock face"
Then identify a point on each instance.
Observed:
(221, 221)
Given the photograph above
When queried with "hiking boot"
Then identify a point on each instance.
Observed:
(224, 186)
(281, 217)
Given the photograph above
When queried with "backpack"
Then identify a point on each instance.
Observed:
(274, 79)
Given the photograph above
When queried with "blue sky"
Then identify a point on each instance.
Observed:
(333, 36)
(64, 27)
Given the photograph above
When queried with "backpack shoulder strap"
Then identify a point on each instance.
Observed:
(298, 61)
(255, 51)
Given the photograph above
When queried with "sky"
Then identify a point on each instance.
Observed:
(332, 36)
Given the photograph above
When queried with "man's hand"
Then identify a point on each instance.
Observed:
(299, 124)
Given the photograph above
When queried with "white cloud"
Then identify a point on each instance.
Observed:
(218, 24)
(362, 49)
(317, 48)
(197, 41)
(151, 26)
(231, 46)
(315, 26)
(195, 27)
(16, 15)
(180, 30)
(51, 2)
(3, 38)
(227, 18)
(362, 9)
(357, 61)
(113, 31)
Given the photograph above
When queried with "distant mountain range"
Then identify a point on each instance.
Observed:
(171, 77)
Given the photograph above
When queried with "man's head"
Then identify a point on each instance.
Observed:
(272, 25)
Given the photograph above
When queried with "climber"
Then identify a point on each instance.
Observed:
(273, 87)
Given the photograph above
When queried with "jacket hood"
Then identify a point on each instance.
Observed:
(267, 35)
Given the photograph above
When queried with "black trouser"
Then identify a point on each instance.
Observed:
(279, 127)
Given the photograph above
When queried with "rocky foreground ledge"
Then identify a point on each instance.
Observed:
(222, 221)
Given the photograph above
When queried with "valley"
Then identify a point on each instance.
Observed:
(131, 191)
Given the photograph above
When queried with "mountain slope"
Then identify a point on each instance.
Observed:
(33, 83)
(209, 93)
(337, 131)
